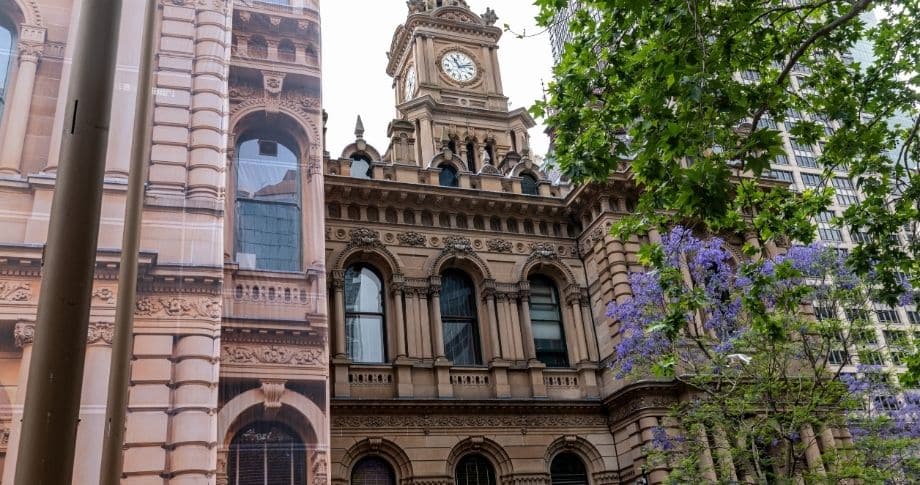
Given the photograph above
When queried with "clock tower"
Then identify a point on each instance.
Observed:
(448, 91)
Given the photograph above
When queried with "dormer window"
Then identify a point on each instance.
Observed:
(448, 177)
(361, 167)
(529, 185)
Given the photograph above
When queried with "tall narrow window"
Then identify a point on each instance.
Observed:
(448, 177)
(364, 316)
(568, 469)
(474, 470)
(268, 210)
(372, 470)
(267, 453)
(471, 157)
(546, 320)
(7, 53)
(458, 316)
(529, 185)
(490, 151)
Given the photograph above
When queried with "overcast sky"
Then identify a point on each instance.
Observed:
(356, 37)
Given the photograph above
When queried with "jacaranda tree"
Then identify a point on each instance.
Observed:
(761, 345)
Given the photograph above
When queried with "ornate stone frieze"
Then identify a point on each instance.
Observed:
(458, 245)
(468, 421)
(526, 479)
(638, 402)
(205, 307)
(100, 332)
(364, 237)
(272, 354)
(607, 478)
(15, 291)
(24, 333)
(499, 245)
(104, 294)
(543, 250)
(412, 238)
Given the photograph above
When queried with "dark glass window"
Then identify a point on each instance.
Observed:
(7, 53)
(267, 206)
(286, 51)
(546, 320)
(474, 470)
(448, 177)
(568, 469)
(529, 185)
(458, 317)
(258, 47)
(364, 316)
(471, 157)
(361, 167)
(372, 470)
(267, 453)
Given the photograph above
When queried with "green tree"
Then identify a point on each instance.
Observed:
(691, 92)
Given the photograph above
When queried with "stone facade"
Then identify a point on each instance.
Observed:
(219, 346)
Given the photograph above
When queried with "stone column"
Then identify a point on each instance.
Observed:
(338, 289)
(578, 324)
(193, 424)
(398, 286)
(437, 329)
(209, 99)
(424, 338)
(530, 350)
(24, 336)
(494, 339)
(92, 403)
(590, 334)
(812, 451)
(18, 118)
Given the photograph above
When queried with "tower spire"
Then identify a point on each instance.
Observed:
(359, 129)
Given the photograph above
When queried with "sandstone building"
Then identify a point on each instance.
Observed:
(230, 361)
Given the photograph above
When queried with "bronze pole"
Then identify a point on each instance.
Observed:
(52, 403)
(122, 341)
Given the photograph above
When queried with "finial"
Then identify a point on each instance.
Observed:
(489, 17)
(359, 129)
(526, 144)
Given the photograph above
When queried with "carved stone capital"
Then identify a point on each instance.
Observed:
(24, 334)
(337, 279)
(100, 333)
(30, 52)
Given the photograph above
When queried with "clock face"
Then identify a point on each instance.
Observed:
(458, 66)
(410, 84)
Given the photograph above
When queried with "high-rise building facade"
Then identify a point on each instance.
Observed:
(229, 375)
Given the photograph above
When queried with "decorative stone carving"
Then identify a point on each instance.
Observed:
(498, 245)
(15, 291)
(364, 237)
(272, 390)
(412, 238)
(543, 250)
(489, 17)
(458, 245)
(24, 334)
(178, 307)
(104, 294)
(467, 421)
(272, 82)
(100, 333)
(272, 354)
(416, 6)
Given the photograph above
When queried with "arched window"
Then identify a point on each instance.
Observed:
(474, 470)
(7, 54)
(490, 151)
(365, 334)
(267, 453)
(361, 166)
(568, 469)
(546, 320)
(471, 157)
(458, 317)
(286, 51)
(372, 470)
(448, 177)
(529, 185)
(268, 211)
(452, 146)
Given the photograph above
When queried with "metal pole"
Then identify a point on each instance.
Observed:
(52, 404)
(122, 341)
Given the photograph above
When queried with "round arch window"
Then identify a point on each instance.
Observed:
(267, 453)
(474, 470)
(373, 470)
(529, 185)
(448, 177)
(568, 469)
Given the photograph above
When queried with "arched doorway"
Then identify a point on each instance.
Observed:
(267, 453)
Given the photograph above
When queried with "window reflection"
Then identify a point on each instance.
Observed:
(267, 453)
(361, 167)
(546, 320)
(7, 48)
(448, 177)
(458, 316)
(268, 206)
(364, 317)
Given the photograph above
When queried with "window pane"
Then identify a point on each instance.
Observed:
(474, 470)
(363, 290)
(372, 471)
(546, 321)
(365, 335)
(529, 185)
(6, 56)
(267, 171)
(267, 453)
(364, 338)
(458, 316)
(448, 177)
(568, 469)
